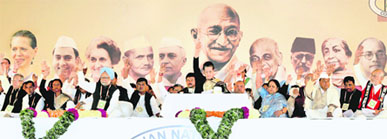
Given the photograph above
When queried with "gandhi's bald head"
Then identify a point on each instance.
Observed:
(219, 12)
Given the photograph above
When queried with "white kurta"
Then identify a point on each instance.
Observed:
(2, 97)
(39, 105)
(90, 87)
(332, 101)
(140, 110)
(113, 106)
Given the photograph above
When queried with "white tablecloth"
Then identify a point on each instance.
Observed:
(140, 128)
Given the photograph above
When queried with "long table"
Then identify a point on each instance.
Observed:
(173, 128)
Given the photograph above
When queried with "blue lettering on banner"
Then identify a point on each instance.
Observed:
(169, 132)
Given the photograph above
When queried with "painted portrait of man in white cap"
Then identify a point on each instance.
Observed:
(65, 57)
(139, 53)
(172, 56)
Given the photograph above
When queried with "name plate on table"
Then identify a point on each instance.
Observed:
(209, 102)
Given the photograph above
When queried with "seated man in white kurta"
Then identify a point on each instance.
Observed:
(144, 103)
(105, 95)
(322, 99)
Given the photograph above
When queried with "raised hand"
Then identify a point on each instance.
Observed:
(34, 78)
(15, 68)
(299, 73)
(2, 69)
(358, 53)
(152, 75)
(161, 73)
(126, 68)
(162, 69)
(230, 86)
(258, 80)
(45, 69)
(317, 71)
(198, 47)
(79, 67)
(267, 73)
(330, 69)
(289, 79)
(74, 78)
(242, 68)
(257, 66)
(231, 69)
(231, 73)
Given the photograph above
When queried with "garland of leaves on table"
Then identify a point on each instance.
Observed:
(59, 128)
(198, 118)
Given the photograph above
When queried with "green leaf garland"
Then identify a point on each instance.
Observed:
(198, 118)
(27, 123)
(60, 127)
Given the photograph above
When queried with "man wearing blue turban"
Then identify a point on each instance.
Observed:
(105, 95)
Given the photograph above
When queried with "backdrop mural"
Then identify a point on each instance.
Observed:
(289, 37)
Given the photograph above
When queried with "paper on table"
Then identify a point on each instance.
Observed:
(348, 113)
(368, 112)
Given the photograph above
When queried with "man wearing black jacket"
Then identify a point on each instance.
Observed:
(14, 98)
(190, 81)
(144, 104)
(349, 96)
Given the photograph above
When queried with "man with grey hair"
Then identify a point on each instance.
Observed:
(138, 59)
(14, 98)
(303, 51)
(266, 50)
(172, 57)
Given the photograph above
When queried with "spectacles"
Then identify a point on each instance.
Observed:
(301, 56)
(266, 57)
(213, 33)
(370, 55)
(105, 78)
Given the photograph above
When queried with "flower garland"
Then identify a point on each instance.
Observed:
(27, 123)
(250, 114)
(198, 118)
(59, 128)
